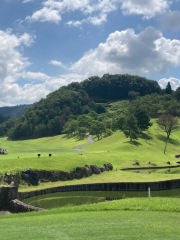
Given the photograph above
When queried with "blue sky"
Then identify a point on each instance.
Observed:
(47, 44)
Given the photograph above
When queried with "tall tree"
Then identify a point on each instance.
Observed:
(130, 127)
(168, 88)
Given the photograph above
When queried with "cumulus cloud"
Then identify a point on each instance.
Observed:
(128, 52)
(45, 15)
(96, 12)
(11, 60)
(57, 63)
(175, 83)
(145, 8)
(13, 68)
(171, 20)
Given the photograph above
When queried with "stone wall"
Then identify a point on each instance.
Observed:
(17, 206)
(7, 194)
(9, 201)
(128, 186)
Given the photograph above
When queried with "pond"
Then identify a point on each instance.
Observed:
(65, 199)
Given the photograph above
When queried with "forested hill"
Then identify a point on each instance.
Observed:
(49, 116)
(116, 87)
(14, 111)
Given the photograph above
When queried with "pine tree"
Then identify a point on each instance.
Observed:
(168, 88)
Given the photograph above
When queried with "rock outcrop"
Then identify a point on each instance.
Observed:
(33, 177)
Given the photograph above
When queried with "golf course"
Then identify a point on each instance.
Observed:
(129, 218)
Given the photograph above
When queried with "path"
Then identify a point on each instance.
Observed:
(90, 141)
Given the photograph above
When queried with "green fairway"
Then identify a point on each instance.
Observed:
(155, 219)
(115, 149)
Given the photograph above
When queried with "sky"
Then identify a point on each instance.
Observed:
(46, 44)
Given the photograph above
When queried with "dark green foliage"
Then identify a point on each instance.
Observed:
(156, 105)
(130, 127)
(97, 129)
(177, 94)
(133, 95)
(14, 111)
(3, 118)
(6, 126)
(113, 87)
(48, 116)
(168, 89)
(140, 112)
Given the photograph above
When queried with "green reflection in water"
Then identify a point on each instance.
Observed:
(62, 199)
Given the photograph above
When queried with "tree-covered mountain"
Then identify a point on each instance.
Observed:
(116, 87)
(14, 111)
(80, 107)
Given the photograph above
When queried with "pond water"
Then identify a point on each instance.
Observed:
(65, 199)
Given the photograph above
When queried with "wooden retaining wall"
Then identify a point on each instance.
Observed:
(123, 186)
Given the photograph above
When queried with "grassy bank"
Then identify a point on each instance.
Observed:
(125, 219)
(115, 149)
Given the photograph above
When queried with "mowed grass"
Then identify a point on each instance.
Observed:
(124, 219)
(115, 149)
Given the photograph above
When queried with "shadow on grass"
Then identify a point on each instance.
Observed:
(77, 138)
(135, 143)
(145, 136)
(171, 141)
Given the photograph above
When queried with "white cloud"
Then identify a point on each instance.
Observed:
(26, 1)
(11, 60)
(13, 68)
(45, 15)
(57, 63)
(175, 83)
(146, 8)
(33, 76)
(96, 12)
(127, 52)
(171, 20)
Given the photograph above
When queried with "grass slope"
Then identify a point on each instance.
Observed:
(155, 219)
(115, 149)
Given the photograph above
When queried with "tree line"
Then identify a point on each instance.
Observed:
(88, 107)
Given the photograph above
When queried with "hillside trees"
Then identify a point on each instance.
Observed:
(48, 116)
(53, 115)
(113, 87)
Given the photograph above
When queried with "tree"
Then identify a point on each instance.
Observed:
(133, 95)
(168, 88)
(140, 112)
(70, 127)
(177, 94)
(168, 124)
(97, 128)
(130, 127)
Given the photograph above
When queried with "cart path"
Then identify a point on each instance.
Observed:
(90, 141)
